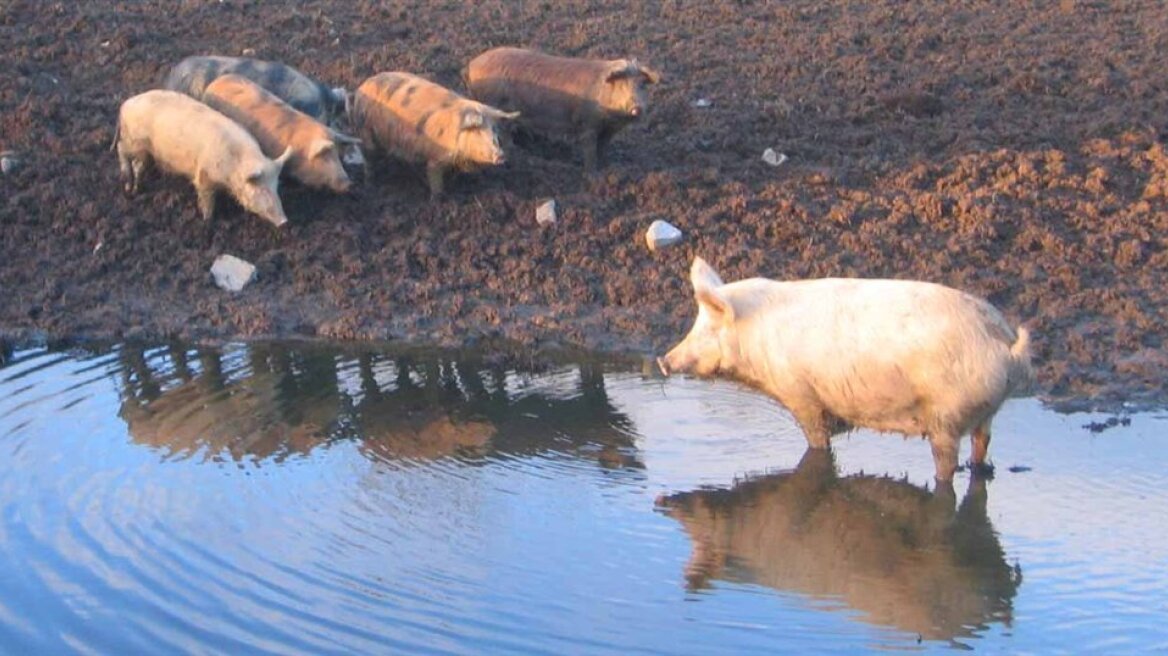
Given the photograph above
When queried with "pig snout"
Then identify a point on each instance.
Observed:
(270, 209)
(342, 185)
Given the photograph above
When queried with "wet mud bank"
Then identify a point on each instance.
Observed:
(1014, 153)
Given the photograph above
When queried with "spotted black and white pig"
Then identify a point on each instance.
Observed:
(277, 126)
(182, 135)
(193, 74)
(586, 99)
(418, 121)
(892, 355)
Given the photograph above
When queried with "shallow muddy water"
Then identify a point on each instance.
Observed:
(275, 498)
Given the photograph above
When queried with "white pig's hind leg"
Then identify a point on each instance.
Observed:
(980, 447)
(126, 169)
(944, 454)
(138, 164)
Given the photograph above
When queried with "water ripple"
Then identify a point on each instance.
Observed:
(271, 499)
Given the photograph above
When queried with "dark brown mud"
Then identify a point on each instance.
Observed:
(1015, 151)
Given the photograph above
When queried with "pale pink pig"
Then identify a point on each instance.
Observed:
(903, 356)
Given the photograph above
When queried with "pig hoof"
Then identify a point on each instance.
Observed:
(982, 470)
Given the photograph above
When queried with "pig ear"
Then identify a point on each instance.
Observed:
(621, 68)
(650, 75)
(320, 147)
(703, 276)
(471, 119)
(498, 113)
(283, 159)
(715, 303)
(344, 138)
(706, 284)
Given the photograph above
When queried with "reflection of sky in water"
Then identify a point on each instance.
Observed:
(543, 551)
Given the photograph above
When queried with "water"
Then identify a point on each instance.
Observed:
(294, 499)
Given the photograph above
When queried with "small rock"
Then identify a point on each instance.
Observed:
(9, 162)
(249, 52)
(232, 273)
(546, 214)
(661, 234)
(773, 157)
(702, 103)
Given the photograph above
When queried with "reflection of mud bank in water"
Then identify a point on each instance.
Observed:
(902, 556)
(272, 401)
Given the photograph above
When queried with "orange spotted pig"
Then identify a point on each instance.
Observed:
(276, 125)
(415, 120)
(586, 99)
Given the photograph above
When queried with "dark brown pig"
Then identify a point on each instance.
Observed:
(415, 120)
(586, 99)
(182, 135)
(194, 74)
(277, 126)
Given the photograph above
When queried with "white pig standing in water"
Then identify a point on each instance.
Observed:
(893, 355)
(182, 135)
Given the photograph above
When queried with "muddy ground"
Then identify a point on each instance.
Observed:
(1012, 150)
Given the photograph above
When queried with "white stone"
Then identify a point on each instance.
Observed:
(546, 214)
(9, 162)
(232, 273)
(661, 234)
(702, 103)
(774, 158)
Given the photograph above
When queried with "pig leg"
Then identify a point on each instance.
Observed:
(435, 171)
(981, 446)
(206, 193)
(815, 426)
(125, 168)
(207, 203)
(138, 169)
(603, 138)
(944, 455)
(589, 142)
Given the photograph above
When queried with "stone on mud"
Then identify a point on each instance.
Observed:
(662, 234)
(232, 273)
(546, 214)
(773, 157)
(9, 162)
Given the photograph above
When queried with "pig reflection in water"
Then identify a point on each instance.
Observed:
(289, 402)
(902, 556)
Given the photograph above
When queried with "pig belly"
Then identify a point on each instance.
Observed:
(871, 395)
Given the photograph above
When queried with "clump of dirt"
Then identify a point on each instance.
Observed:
(1013, 153)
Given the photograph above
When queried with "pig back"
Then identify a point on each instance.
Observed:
(275, 124)
(880, 348)
(182, 134)
(193, 75)
(408, 116)
(551, 93)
